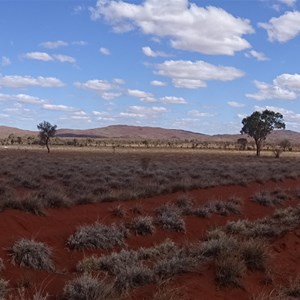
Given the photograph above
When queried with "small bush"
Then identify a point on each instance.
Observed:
(185, 203)
(2, 266)
(119, 211)
(229, 271)
(143, 225)
(32, 254)
(3, 289)
(169, 218)
(132, 277)
(87, 287)
(254, 254)
(97, 236)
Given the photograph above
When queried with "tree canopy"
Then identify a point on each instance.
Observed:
(260, 124)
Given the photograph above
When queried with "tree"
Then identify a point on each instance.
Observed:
(242, 142)
(285, 144)
(261, 124)
(47, 131)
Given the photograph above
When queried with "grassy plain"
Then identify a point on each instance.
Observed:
(148, 224)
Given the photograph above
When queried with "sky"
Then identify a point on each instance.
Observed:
(195, 65)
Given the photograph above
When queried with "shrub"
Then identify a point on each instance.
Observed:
(119, 211)
(87, 287)
(2, 266)
(143, 225)
(169, 218)
(185, 203)
(32, 254)
(254, 254)
(229, 271)
(97, 236)
(132, 277)
(3, 289)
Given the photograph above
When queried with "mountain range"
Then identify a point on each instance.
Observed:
(150, 133)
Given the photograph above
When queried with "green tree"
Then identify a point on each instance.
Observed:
(260, 124)
(285, 144)
(47, 131)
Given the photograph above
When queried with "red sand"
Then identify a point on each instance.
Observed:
(59, 224)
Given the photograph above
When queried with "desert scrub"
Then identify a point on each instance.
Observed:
(255, 255)
(143, 225)
(32, 254)
(185, 203)
(119, 211)
(87, 287)
(230, 207)
(3, 288)
(229, 271)
(133, 277)
(168, 217)
(2, 266)
(97, 236)
(270, 198)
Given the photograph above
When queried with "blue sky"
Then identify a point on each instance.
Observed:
(195, 65)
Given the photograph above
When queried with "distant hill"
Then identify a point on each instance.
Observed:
(5, 131)
(150, 133)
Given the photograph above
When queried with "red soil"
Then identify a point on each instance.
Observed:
(59, 224)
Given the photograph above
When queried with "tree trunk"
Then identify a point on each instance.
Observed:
(47, 142)
(258, 147)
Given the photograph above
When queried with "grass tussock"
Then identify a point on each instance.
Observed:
(97, 236)
(31, 254)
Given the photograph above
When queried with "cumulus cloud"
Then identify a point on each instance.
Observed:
(197, 113)
(284, 86)
(235, 104)
(47, 57)
(158, 83)
(209, 30)
(16, 81)
(5, 61)
(188, 74)
(104, 51)
(283, 28)
(22, 98)
(107, 90)
(143, 96)
(151, 53)
(257, 55)
(290, 3)
(59, 107)
(143, 112)
(173, 100)
(54, 44)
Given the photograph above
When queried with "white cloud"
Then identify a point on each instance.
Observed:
(59, 107)
(290, 3)
(258, 55)
(189, 27)
(143, 112)
(143, 96)
(22, 98)
(107, 90)
(47, 57)
(197, 113)
(15, 81)
(149, 52)
(173, 100)
(283, 28)
(158, 83)
(104, 51)
(64, 58)
(188, 74)
(235, 104)
(39, 56)
(54, 45)
(79, 43)
(5, 61)
(284, 86)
